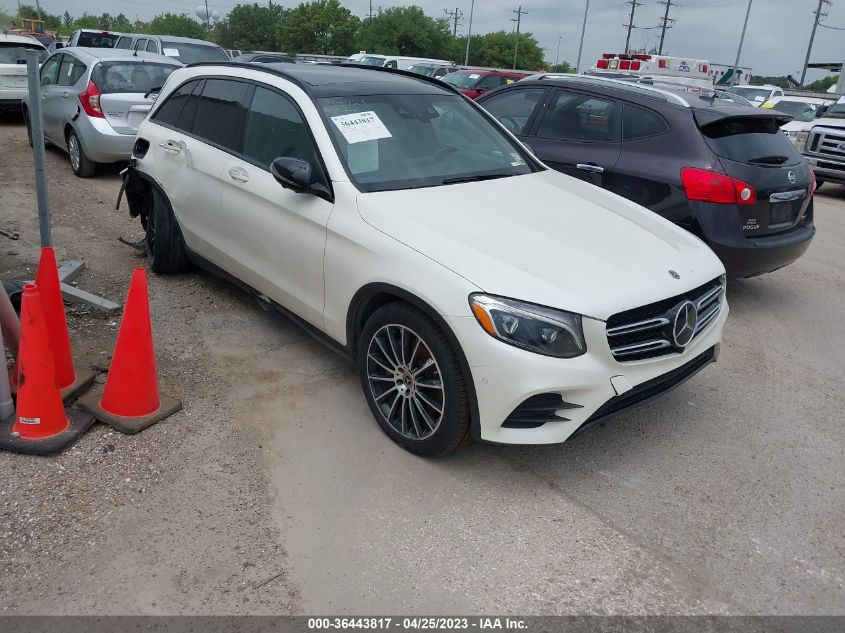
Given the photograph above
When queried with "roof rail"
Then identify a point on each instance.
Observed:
(405, 73)
(668, 95)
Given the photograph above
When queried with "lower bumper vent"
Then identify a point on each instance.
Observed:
(537, 411)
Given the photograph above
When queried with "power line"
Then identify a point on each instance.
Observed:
(819, 16)
(634, 4)
(665, 24)
(454, 17)
(518, 19)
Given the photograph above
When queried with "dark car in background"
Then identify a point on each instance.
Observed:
(727, 173)
(474, 83)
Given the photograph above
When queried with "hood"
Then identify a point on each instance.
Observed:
(828, 122)
(546, 238)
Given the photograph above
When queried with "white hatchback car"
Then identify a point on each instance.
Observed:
(479, 292)
(13, 80)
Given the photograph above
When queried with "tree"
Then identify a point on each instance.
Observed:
(252, 27)
(121, 23)
(407, 31)
(495, 50)
(5, 19)
(563, 67)
(181, 25)
(321, 26)
(821, 85)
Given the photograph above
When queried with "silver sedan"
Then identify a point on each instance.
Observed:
(92, 100)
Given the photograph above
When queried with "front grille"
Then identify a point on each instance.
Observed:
(829, 143)
(647, 331)
(649, 390)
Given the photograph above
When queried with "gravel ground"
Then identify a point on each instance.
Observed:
(273, 491)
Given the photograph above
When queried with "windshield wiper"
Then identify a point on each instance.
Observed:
(477, 177)
(770, 160)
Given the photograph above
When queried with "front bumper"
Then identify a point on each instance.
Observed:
(505, 377)
(827, 169)
(101, 143)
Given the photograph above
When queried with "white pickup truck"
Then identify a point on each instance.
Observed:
(822, 142)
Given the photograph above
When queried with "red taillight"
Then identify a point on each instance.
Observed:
(664, 63)
(643, 57)
(624, 65)
(90, 100)
(602, 63)
(711, 186)
(702, 68)
(608, 55)
(635, 65)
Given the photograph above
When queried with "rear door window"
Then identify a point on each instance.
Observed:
(750, 140)
(573, 116)
(50, 70)
(141, 44)
(124, 42)
(221, 113)
(513, 108)
(70, 72)
(16, 53)
(641, 123)
(490, 82)
(97, 40)
(173, 112)
(152, 46)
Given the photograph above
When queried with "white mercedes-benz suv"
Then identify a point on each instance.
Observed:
(479, 293)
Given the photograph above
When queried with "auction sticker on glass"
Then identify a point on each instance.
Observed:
(361, 126)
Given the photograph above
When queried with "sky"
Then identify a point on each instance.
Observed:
(775, 44)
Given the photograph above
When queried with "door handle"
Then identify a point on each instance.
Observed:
(239, 174)
(172, 147)
(591, 168)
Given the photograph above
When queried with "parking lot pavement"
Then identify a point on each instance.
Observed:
(725, 496)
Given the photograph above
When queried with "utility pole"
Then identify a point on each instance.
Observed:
(38, 7)
(665, 25)
(583, 29)
(742, 38)
(518, 19)
(634, 4)
(819, 15)
(454, 16)
(371, 10)
(557, 55)
(469, 32)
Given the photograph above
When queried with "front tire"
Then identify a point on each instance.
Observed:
(412, 381)
(82, 166)
(165, 245)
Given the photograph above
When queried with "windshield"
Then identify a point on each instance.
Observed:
(16, 53)
(421, 69)
(462, 79)
(371, 61)
(799, 110)
(192, 53)
(837, 111)
(751, 140)
(140, 77)
(752, 94)
(405, 141)
(97, 40)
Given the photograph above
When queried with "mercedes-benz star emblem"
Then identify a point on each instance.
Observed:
(674, 275)
(683, 325)
(791, 176)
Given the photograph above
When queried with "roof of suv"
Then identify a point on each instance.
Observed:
(707, 109)
(333, 81)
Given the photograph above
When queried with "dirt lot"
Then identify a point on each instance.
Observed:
(273, 491)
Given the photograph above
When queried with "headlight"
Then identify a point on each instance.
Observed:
(531, 327)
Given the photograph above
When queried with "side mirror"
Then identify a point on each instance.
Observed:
(822, 111)
(292, 173)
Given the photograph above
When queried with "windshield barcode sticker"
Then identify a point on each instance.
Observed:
(171, 52)
(361, 126)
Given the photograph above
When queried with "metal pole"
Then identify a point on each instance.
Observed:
(469, 32)
(207, 18)
(36, 124)
(812, 37)
(519, 13)
(634, 5)
(581, 45)
(668, 4)
(557, 55)
(742, 38)
(840, 85)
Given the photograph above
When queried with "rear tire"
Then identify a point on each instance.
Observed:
(412, 381)
(166, 251)
(82, 166)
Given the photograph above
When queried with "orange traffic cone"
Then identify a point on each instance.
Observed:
(70, 379)
(131, 401)
(41, 424)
